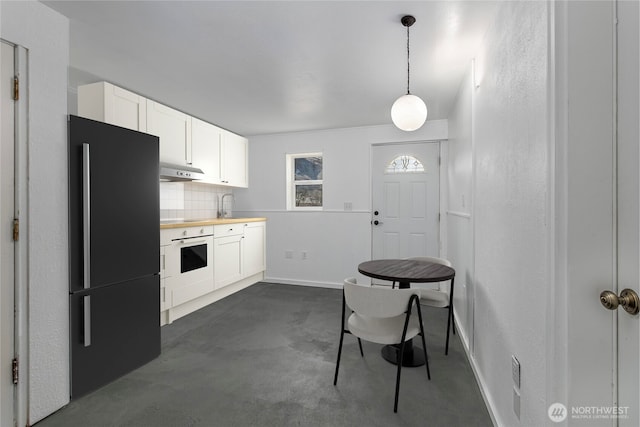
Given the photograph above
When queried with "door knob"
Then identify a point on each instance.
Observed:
(628, 299)
(376, 222)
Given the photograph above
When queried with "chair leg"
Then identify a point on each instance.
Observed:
(393, 285)
(395, 404)
(424, 343)
(335, 377)
(426, 357)
(446, 349)
(453, 322)
(360, 344)
(450, 317)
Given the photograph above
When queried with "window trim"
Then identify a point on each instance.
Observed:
(292, 182)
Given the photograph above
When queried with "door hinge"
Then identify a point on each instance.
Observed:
(16, 88)
(16, 229)
(14, 370)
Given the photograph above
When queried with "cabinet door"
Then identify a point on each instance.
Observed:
(124, 108)
(235, 150)
(254, 248)
(165, 297)
(174, 129)
(227, 260)
(205, 149)
(107, 103)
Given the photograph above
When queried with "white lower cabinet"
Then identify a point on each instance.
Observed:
(227, 262)
(235, 259)
(165, 297)
(254, 256)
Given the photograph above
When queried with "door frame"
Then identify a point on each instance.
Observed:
(442, 199)
(8, 211)
(21, 246)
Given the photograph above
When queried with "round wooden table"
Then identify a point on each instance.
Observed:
(405, 272)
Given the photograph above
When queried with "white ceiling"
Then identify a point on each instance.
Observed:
(277, 66)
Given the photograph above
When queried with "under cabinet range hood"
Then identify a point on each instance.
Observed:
(171, 172)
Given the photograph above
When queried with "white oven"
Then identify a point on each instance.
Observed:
(189, 263)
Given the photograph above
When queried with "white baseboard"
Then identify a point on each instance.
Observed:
(488, 401)
(310, 283)
(174, 313)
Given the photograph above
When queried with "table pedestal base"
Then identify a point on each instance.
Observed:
(412, 356)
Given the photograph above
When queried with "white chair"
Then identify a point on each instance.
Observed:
(441, 297)
(383, 316)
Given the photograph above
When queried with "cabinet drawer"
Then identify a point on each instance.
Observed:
(224, 230)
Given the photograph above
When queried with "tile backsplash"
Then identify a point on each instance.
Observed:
(192, 200)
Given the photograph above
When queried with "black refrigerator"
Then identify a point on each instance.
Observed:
(114, 244)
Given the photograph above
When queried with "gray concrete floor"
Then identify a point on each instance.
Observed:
(266, 356)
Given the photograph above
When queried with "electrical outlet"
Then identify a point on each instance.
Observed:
(516, 402)
(515, 371)
(348, 206)
(288, 254)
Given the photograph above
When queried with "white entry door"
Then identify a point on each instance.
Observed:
(628, 211)
(6, 238)
(405, 200)
(604, 229)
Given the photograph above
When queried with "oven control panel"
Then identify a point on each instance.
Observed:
(173, 234)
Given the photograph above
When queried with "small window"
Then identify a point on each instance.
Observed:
(304, 181)
(404, 164)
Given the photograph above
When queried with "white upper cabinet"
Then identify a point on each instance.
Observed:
(107, 103)
(221, 154)
(205, 146)
(184, 140)
(174, 129)
(235, 154)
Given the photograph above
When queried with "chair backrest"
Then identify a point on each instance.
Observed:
(376, 302)
(442, 286)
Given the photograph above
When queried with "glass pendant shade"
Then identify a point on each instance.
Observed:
(409, 112)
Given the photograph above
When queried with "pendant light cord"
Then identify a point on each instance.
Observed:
(408, 65)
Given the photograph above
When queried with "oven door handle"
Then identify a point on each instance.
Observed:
(189, 241)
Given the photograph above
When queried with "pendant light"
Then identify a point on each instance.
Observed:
(409, 112)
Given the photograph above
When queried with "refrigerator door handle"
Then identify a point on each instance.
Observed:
(86, 214)
(86, 300)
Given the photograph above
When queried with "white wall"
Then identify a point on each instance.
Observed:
(459, 207)
(45, 34)
(335, 240)
(499, 152)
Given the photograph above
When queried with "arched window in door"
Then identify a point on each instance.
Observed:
(404, 164)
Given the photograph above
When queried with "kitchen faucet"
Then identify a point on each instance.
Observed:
(222, 209)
